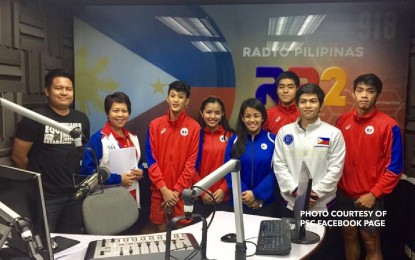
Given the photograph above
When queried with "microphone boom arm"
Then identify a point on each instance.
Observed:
(232, 166)
(76, 134)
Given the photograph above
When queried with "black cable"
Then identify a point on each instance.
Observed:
(82, 148)
(94, 157)
(174, 257)
(84, 138)
(214, 203)
(256, 247)
(191, 255)
(196, 250)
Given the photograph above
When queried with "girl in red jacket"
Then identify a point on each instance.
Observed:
(214, 137)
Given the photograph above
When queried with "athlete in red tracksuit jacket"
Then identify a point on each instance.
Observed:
(373, 164)
(286, 111)
(213, 153)
(214, 137)
(171, 151)
(374, 147)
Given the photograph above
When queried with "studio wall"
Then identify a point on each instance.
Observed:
(236, 51)
(34, 37)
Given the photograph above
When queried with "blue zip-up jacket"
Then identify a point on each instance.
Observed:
(256, 171)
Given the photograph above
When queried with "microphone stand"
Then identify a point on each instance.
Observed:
(172, 224)
(23, 227)
(32, 245)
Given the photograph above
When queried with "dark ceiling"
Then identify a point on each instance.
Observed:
(201, 2)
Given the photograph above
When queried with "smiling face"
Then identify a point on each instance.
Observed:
(286, 91)
(212, 114)
(252, 119)
(118, 116)
(309, 107)
(60, 94)
(365, 97)
(177, 102)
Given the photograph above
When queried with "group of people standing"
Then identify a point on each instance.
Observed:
(353, 164)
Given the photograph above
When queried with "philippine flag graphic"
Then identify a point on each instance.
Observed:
(323, 141)
(139, 50)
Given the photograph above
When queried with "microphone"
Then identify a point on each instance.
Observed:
(188, 199)
(24, 227)
(88, 185)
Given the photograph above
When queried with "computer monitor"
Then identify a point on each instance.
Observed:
(299, 235)
(22, 192)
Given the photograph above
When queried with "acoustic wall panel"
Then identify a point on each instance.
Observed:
(35, 36)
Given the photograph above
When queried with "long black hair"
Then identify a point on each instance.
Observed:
(223, 121)
(241, 131)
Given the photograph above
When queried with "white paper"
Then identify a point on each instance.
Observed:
(121, 161)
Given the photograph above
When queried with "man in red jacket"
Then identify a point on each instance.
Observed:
(171, 151)
(373, 164)
(285, 111)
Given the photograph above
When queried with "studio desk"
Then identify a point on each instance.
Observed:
(223, 223)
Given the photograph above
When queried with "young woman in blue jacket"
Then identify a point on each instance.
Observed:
(254, 147)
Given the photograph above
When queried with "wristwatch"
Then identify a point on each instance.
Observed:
(260, 204)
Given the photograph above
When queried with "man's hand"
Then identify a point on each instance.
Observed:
(170, 197)
(313, 199)
(366, 201)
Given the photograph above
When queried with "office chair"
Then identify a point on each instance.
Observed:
(110, 212)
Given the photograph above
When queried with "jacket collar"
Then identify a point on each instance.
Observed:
(261, 132)
(178, 121)
(217, 131)
(288, 110)
(357, 117)
(107, 131)
(310, 127)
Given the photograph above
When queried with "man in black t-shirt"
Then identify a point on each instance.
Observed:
(46, 150)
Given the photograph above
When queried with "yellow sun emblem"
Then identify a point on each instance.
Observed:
(88, 83)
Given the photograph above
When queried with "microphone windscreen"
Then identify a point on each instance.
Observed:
(104, 174)
(110, 212)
